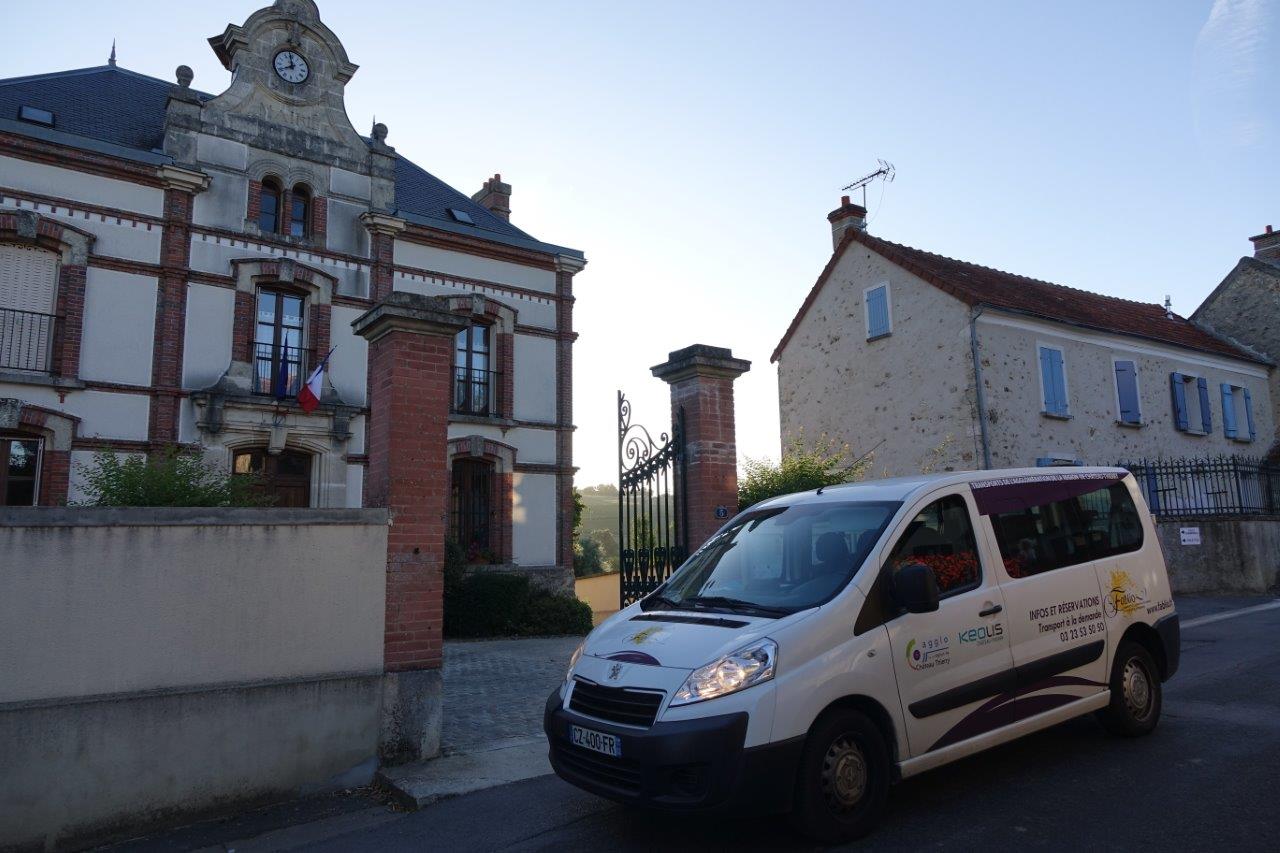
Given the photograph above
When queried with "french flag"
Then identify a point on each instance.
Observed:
(309, 394)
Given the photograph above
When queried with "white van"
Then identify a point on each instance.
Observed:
(823, 645)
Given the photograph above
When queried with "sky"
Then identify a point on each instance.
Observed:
(693, 150)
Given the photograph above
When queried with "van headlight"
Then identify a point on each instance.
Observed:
(573, 659)
(748, 666)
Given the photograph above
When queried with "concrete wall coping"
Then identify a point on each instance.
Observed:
(185, 516)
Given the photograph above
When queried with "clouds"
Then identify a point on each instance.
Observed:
(1236, 77)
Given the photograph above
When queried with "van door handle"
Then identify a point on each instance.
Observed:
(991, 611)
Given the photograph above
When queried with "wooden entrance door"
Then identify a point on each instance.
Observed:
(285, 477)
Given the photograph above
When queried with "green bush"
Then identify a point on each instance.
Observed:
(500, 604)
(802, 469)
(170, 478)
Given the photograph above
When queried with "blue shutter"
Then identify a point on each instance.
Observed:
(878, 312)
(1127, 390)
(1055, 384)
(1228, 412)
(1248, 413)
(1178, 391)
(1206, 413)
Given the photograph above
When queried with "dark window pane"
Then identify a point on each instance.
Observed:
(269, 209)
(20, 493)
(298, 220)
(941, 537)
(1054, 535)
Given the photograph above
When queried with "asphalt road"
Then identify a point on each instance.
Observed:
(1208, 778)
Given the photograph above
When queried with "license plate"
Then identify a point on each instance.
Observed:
(595, 741)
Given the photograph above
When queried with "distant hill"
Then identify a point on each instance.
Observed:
(600, 508)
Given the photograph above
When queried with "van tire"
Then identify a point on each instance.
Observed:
(844, 778)
(1136, 696)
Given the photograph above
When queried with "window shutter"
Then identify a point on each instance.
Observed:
(1206, 413)
(28, 278)
(1178, 391)
(877, 312)
(1228, 412)
(1055, 384)
(1248, 413)
(1127, 390)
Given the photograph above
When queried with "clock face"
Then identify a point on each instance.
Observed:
(291, 67)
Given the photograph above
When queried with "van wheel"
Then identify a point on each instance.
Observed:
(844, 778)
(1135, 693)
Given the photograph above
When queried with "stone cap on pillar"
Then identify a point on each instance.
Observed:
(409, 312)
(700, 360)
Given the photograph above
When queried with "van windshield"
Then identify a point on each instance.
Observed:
(778, 560)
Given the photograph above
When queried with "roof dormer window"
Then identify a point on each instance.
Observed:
(35, 115)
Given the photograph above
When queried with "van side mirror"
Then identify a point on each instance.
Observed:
(915, 588)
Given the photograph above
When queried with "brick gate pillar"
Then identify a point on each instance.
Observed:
(701, 379)
(410, 383)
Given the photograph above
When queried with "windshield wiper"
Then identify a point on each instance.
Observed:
(737, 605)
(653, 601)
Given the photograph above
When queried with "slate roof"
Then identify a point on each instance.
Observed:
(124, 108)
(978, 285)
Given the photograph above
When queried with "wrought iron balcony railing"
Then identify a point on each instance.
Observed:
(26, 340)
(475, 392)
(279, 371)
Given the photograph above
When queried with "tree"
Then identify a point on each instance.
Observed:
(802, 469)
(170, 478)
(578, 506)
(586, 558)
(608, 542)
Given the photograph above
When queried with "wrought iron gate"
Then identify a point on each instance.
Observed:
(653, 523)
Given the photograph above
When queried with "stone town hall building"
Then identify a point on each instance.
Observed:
(171, 260)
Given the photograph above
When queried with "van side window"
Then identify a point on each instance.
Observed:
(941, 537)
(1054, 535)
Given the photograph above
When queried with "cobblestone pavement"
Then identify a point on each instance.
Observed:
(495, 690)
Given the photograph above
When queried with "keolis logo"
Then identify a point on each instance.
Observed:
(981, 634)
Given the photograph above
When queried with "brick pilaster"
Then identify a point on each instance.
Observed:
(242, 327)
(254, 207)
(506, 374)
(171, 314)
(70, 324)
(410, 354)
(319, 227)
(701, 379)
(566, 268)
(318, 333)
(55, 477)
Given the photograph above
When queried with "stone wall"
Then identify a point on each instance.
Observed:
(157, 664)
(1238, 554)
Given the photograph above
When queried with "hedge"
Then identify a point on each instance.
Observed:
(500, 604)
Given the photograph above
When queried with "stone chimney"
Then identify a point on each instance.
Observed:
(1266, 246)
(496, 196)
(847, 215)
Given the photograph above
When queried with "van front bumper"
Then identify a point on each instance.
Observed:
(685, 764)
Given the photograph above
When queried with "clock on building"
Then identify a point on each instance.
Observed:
(291, 67)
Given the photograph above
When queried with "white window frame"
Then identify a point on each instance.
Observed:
(1066, 381)
(1115, 382)
(866, 309)
(1195, 425)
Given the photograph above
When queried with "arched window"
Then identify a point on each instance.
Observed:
(299, 210)
(269, 206)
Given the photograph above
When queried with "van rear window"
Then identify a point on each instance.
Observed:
(1058, 533)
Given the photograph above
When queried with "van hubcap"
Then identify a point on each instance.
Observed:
(1137, 689)
(844, 774)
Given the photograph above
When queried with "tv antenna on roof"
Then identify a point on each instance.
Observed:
(885, 171)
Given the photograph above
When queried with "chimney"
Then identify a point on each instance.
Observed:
(847, 215)
(1266, 246)
(496, 196)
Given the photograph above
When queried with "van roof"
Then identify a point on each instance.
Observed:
(904, 488)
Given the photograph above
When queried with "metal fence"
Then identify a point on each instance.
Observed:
(1224, 485)
(26, 340)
